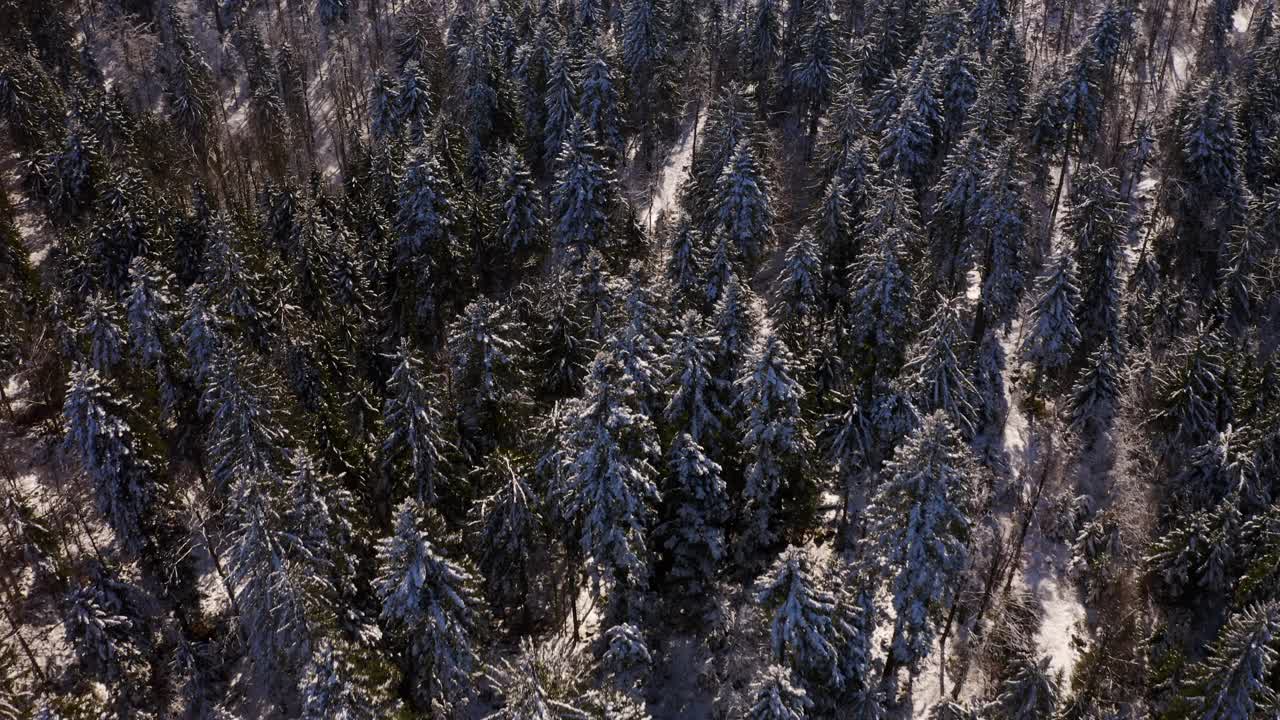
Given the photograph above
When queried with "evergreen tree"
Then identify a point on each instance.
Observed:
(776, 697)
(935, 371)
(919, 521)
(599, 107)
(520, 221)
(110, 453)
(1095, 225)
(427, 600)
(1053, 335)
(807, 630)
(580, 200)
(694, 405)
(414, 427)
(1032, 692)
(611, 489)
(775, 447)
(330, 688)
(413, 102)
(798, 290)
(1231, 683)
(695, 534)
(560, 101)
(102, 329)
(384, 100)
(743, 207)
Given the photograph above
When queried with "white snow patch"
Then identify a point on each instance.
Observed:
(673, 172)
(1062, 612)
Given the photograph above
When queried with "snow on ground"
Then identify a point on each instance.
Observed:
(667, 182)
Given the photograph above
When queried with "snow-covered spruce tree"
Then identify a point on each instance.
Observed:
(646, 55)
(728, 122)
(413, 102)
(798, 290)
(626, 660)
(1052, 334)
(105, 339)
(509, 521)
(721, 266)
(414, 427)
(560, 101)
(541, 683)
(742, 205)
(695, 533)
(189, 90)
(736, 324)
(424, 246)
(111, 454)
(907, 146)
(484, 345)
(683, 269)
(1095, 225)
(761, 45)
(808, 631)
(955, 220)
(274, 601)
(1231, 683)
(428, 602)
(1030, 693)
(1004, 241)
(958, 88)
(778, 495)
(937, 369)
(384, 98)
(1096, 393)
(1193, 390)
(581, 198)
(332, 688)
(243, 437)
(599, 107)
(811, 79)
(611, 490)
(694, 405)
(152, 326)
(100, 633)
(776, 697)
(919, 523)
(881, 287)
(519, 204)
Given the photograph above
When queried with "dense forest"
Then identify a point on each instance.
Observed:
(572, 359)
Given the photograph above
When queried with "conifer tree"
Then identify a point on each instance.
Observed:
(1095, 225)
(414, 428)
(427, 600)
(111, 455)
(611, 491)
(807, 629)
(695, 533)
(919, 520)
(599, 107)
(580, 199)
(798, 290)
(775, 446)
(1231, 683)
(520, 222)
(936, 372)
(560, 101)
(743, 208)
(776, 697)
(1032, 692)
(1053, 336)
(413, 102)
(694, 404)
